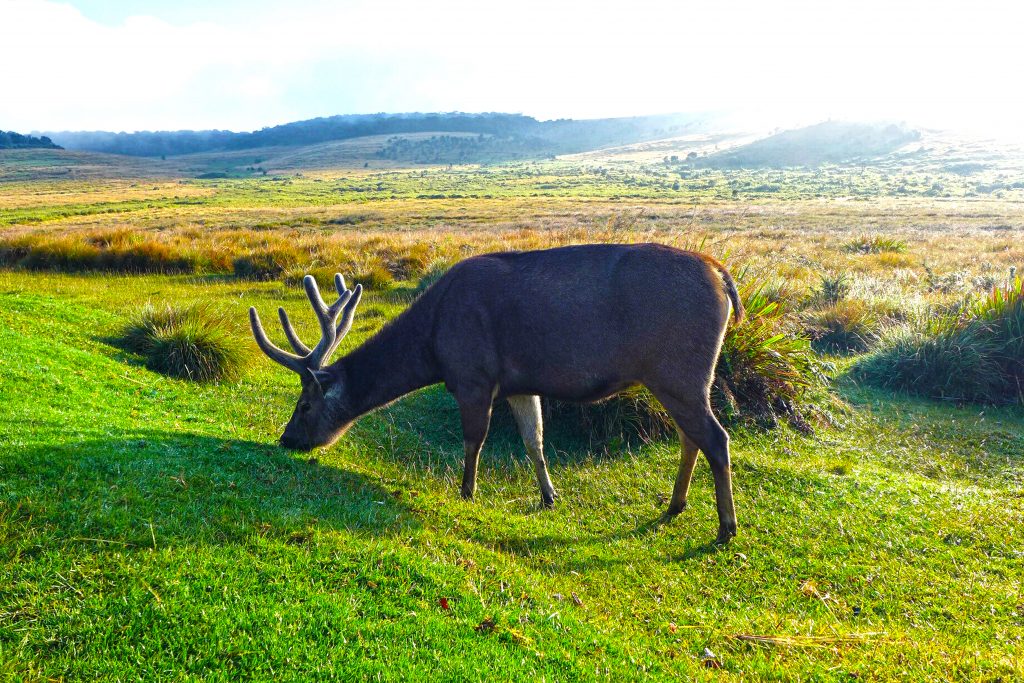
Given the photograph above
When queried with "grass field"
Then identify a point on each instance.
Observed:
(150, 528)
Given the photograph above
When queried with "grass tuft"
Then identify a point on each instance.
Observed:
(767, 372)
(848, 326)
(834, 288)
(974, 354)
(875, 244)
(195, 343)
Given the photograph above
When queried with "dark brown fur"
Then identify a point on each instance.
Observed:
(575, 323)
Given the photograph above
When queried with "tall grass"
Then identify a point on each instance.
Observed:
(194, 343)
(875, 244)
(974, 354)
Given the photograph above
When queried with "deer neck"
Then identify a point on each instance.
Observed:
(394, 362)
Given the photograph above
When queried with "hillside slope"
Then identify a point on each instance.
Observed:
(833, 142)
(150, 526)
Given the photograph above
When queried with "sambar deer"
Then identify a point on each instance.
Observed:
(576, 323)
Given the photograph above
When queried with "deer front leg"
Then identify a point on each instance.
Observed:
(475, 409)
(526, 410)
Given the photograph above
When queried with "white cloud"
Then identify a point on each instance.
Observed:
(936, 62)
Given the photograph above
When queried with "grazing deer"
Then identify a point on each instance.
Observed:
(575, 323)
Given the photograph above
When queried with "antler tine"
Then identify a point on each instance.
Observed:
(347, 316)
(290, 361)
(289, 332)
(326, 315)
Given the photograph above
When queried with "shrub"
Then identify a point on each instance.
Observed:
(787, 293)
(875, 244)
(194, 343)
(848, 326)
(119, 251)
(974, 354)
(630, 415)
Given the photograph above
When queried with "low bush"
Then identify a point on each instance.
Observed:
(767, 371)
(323, 275)
(972, 354)
(849, 326)
(194, 343)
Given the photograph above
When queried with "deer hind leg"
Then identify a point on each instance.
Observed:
(475, 409)
(526, 410)
(687, 460)
(698, 423)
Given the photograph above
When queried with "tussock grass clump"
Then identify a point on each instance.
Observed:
(972, 355)
(767, 372)
(194, 343)
(789, 294)
(849, 326)
(324, 275)
(834, 287)
(875, 244)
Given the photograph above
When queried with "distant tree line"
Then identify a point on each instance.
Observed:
(558, 136)
(464, 149)
(12, 140)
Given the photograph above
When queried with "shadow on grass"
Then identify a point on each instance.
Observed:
(153, 489)
(564, 554)
(429, 423)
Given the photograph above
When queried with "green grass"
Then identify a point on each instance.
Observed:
(149, 528)
(193, 343)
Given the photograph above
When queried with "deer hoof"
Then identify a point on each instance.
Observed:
(674, 509)
(466, 494)
(725, 534)
(547, 502)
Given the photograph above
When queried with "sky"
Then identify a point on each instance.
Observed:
(229, 64)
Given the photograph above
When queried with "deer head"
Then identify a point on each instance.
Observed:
(314, 421)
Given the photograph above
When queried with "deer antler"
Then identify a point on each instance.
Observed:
(330, 335)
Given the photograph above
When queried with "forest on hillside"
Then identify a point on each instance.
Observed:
(518, 131)
(12, 140)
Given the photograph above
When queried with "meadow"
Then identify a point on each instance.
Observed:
(151, 528)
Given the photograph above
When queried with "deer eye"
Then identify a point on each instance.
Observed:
(304, 406)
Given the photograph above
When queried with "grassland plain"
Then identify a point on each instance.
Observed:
(149, 528)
